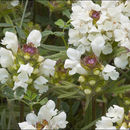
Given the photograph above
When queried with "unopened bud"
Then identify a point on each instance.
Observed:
(26, 56)
(14, 78)
(81, 79)
(92, 82)
(40, 58)
(87, 91)
(29, 81)
(98, 89)
(127, 102)
(35, 71)
(14, 66)
(96, 72)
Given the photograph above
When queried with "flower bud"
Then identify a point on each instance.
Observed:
(35, 71)
(29, 81)
(14, 78)
(15, 67)
(40, 58)
(92, 82)
(26, 56)
(87, 91)
(81, 79)
(96, 72)
(98, 89)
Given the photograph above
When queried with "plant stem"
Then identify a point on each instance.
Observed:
(21, 111)
(103, 108)
(93, 110)
(25, 7)
(65, 42)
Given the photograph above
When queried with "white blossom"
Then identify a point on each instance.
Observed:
(34, 37)
(40, 84)
(114, 116)
(105, 123)
(48, 118)
(74, 62)
(21, 84)
(121, 61)
(14, 3)
(26, 68)
(116, 113)
(109, 71)
(4, 75)
(48, 67)
(6, 58)
(11, 41)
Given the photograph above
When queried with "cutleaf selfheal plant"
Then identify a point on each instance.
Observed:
(22, 67)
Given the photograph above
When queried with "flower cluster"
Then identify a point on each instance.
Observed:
(23, 66)
(48, 118)
(98, 31)
(101, 28)
(115, 118)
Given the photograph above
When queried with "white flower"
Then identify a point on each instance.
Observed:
(20, 84)
(6, 58)
(47, 67)
(34, 37)
(74, 62)
(109, 71)
(58, 121)
(40, 84)
(26, 68)
(116, 113)
(14, 3)
(105, 123)
(4, 75)
(121, 61)
(98, 45)
(47, 118)
(26, 126)
(23, 77)
(114, 116)
(11, 41)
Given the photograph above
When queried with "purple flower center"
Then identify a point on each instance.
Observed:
(95, 14)
(90, 61)
(29, 48)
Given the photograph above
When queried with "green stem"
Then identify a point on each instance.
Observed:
(103, 108)
(93, 110)
(21, 111)
(65, 42)
(25, 7)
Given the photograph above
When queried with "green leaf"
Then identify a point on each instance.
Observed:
(75, 107)
(43, 101)
(60, 55)
(60, 23)
(121, 89)
(20, 33)
(66, 13)
(5, 25)
(59, 34)
(53, 48)
(19, 91)
(8, 92)
(90, 125)
(69, 94)
(47, 33)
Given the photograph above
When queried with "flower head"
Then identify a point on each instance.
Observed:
(48, 118)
